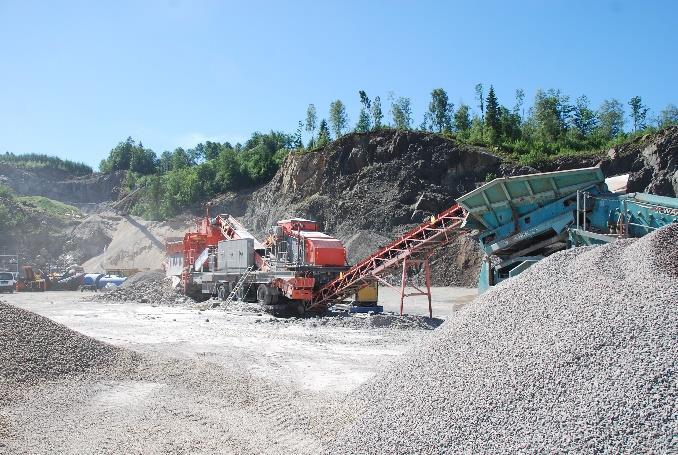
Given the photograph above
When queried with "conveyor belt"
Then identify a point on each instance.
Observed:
(419, 242)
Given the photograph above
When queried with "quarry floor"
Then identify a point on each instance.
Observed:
(316, 361)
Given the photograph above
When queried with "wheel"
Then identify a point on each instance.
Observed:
(300, 309)
(267, 295)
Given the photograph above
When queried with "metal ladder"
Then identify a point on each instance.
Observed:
(239, 284)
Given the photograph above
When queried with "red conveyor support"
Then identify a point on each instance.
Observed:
(417, 243)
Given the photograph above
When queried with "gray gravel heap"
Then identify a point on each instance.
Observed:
(364, 321)
(34, 348)
(578, 354)
(143, 277)
(152, 289)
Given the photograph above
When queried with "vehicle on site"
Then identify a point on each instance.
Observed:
(30, 280)
(222, 259)
(517, 221)
(7, 282)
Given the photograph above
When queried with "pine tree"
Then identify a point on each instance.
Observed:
(324, 137)
(297, 141)
(492, 115)
(363, 125)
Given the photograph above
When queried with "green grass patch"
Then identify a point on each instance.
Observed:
(50, 206)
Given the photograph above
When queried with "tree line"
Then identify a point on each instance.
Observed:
(552, 126)
(183, 177)
(34, 160)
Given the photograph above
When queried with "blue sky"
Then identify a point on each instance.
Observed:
(78, 77)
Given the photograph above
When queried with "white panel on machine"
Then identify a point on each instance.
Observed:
(235, 255)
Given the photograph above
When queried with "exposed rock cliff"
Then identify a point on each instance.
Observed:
(368, 188)
(59, 185)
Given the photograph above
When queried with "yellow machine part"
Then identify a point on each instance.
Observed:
(368, 294)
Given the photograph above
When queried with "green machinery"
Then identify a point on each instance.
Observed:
(520, 220)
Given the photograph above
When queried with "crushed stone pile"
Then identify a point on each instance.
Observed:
(363, 321)
(578, 354)
(34, 348)
(153, 276)
(151, 287)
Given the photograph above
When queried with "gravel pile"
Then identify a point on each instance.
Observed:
(578, 354)
(34, 348)
(154, 276)
(363, 321)
(149, 288)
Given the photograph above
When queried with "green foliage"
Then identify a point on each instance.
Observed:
(610, 119)
(16, 210)
(39, 161)
(363, 125)
(377, 114)
(50, 206)
(187, 177)
(480, 99)
(520, 99)
(130, 156)
(338, 117)
(553, 127)
(638, 113)
(462, 118)
(364, 121)
(440, 111)
(668, 116)
(550, 113)
(401, 112)
(492, 116)
(584, 119)
(6, 192)
(311, 119)
(324, 137)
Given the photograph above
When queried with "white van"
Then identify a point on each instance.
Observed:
(7, 282)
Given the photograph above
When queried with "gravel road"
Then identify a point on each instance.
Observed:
(202, 381)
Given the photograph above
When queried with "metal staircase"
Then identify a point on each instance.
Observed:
(238, 285)
(414, 247)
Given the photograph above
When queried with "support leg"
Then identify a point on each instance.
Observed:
(402, 286)
(427, 270)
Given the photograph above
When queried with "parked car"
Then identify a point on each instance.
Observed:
(7, 282)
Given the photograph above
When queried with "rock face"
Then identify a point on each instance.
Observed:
(376, 182)
(367, 188)
(59, 185)
(653, 163)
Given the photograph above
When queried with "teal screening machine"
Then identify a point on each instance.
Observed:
(520, 220)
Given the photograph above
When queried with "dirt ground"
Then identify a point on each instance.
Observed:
(218, 381)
